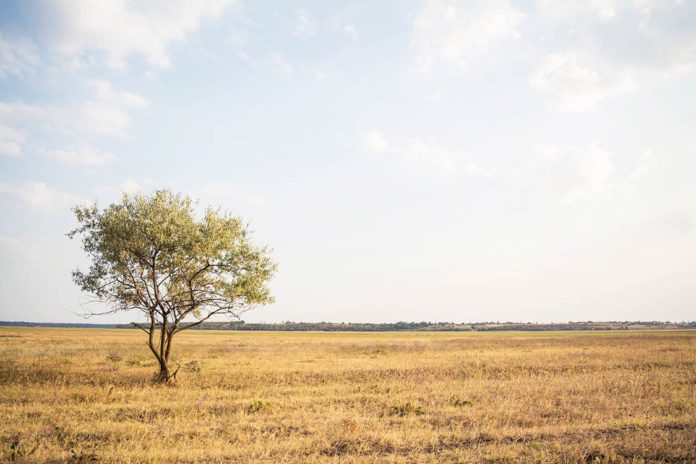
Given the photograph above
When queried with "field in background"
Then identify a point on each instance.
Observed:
(74, 395)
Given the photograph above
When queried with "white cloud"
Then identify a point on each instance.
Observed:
(576, 173)
(98, 117)
(590, 168)
(577, 82)
(603, 9)
(130, 186)
(374, 141)
(39, 195)
(106, 114)
(81, 154)
(350, 30)
(318, 75)
(113, 31)
(304, 23)
(683, 220)
(612, 48)
(645, 164)
(11, 141)
(280, 65)
(457, 32)
(104, 90)
(426, 157)
(18, 57)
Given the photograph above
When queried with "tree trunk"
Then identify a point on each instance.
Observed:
(163, 357)
(163, 375)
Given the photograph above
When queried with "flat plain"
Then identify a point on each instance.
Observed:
(85, 395)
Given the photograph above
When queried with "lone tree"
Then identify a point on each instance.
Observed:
(151, 254)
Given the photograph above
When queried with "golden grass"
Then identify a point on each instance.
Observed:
(75, 395)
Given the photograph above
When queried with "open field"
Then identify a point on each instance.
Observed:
(74, 395)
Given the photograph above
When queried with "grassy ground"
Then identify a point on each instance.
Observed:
(72, 395)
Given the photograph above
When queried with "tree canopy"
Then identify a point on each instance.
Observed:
(150, 253)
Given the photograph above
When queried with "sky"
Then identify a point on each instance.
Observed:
(479, 160)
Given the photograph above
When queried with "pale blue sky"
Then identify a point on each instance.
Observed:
(419, 160)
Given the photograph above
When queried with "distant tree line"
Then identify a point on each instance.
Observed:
(289, 326)
(397, 326)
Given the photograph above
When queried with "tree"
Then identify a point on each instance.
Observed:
(152, 254)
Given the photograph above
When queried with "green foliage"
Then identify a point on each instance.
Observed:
(150, 253)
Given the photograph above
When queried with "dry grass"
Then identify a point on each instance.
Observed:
(72, 395)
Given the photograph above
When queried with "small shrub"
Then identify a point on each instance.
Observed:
(18, 451)
(458, 402)
(256, 406)
(405, 409)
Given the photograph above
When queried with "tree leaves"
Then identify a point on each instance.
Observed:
(151, 253)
